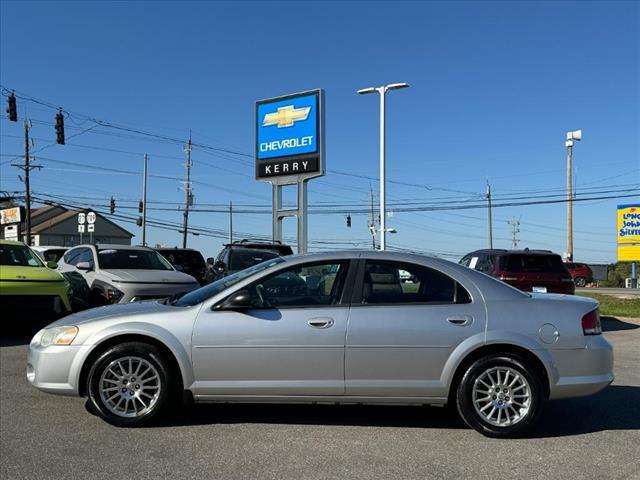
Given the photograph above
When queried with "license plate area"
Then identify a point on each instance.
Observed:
(539, 289)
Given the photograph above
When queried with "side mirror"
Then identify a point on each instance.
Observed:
(210, 261)
(219, 267)
(83, 266)
(52, 265)
(241, 300)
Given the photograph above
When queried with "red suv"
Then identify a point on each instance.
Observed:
(581, 273)
(529, 270)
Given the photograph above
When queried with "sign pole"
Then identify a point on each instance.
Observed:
(302, 216)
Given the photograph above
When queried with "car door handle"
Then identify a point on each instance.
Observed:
(321, 322)
(460, 320)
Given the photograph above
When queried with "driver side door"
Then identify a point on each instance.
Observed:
(290, 342)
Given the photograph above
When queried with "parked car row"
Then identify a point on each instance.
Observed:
(58, 279)
(94, 275)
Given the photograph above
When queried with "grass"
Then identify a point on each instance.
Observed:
(616, 307)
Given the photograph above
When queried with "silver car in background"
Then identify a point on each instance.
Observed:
(124, 273)
(336, 327)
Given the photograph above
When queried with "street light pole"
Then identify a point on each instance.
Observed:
(571, 136)
(383, 171)
(383, 199)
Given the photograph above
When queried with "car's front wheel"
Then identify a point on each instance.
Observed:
(129, 384)
(499, 396)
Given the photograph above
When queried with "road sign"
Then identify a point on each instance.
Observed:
(81, 219)
(91, 228)
(290, 137)
(81, 228)
(91, 218)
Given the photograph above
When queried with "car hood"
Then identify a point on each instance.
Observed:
(40, 274)
(108, 311)
(148, 276)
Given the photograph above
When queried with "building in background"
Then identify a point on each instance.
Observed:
(56, 225)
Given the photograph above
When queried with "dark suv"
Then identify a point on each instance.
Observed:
(186, 260)
(528, 270)
(243, 254)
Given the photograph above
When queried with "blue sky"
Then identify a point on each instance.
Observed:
(494, 88)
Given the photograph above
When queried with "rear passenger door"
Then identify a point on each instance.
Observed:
(400, 335)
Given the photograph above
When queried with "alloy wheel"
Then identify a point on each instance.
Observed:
(130, 386)
(501, 396)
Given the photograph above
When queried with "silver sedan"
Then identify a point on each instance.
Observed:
(337, 327)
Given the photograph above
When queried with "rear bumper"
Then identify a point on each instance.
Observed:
(585, 371)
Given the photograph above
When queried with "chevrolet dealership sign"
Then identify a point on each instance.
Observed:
(289, 136)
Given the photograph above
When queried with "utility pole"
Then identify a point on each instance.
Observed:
(230, 222)
(188, 193)
(490, 226)
(372, 219)
(27, 167)
(515, 229)
(144, 202)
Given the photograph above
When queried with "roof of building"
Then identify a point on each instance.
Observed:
(46, 217)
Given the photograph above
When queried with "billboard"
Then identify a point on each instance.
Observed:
(11, 215)
(628, 232)
(290, 137)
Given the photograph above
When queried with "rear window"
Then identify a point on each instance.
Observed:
(522, 263)
(241, 259)
(183, 257)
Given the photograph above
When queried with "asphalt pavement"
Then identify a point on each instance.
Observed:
(45, 437)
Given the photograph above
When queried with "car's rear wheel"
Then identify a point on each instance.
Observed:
(580, 281)
(130, 384)
(499, 396)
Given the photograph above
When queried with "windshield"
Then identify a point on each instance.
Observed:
(241, 259)
(18, 256)
(208, 291)
(132, 260)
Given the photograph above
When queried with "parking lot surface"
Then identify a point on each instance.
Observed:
(44, 436)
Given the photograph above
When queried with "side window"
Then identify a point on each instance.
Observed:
(382, 284)
(307, 285)
(71, 257)
(484, 264)
(86, 256)
(465, 260)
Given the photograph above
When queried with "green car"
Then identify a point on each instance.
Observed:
(27, 285)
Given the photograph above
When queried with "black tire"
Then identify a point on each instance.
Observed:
(158, 393)
(580, 281)
(522, 417)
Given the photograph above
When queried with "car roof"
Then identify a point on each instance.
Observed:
(114, 246)
(176, 249)
(525, 251)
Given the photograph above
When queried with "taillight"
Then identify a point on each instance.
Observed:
(591, 323)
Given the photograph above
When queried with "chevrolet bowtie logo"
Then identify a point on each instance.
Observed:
(286, 116)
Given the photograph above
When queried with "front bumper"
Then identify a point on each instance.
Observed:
(56, 368)
(585, 371)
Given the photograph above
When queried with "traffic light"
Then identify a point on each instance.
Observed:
(349, 221)
(12, 110)
(141, 207)
(139, 221)
(112, 206)
(60, 128)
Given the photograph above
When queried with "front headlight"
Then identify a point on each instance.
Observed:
(58, 336)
